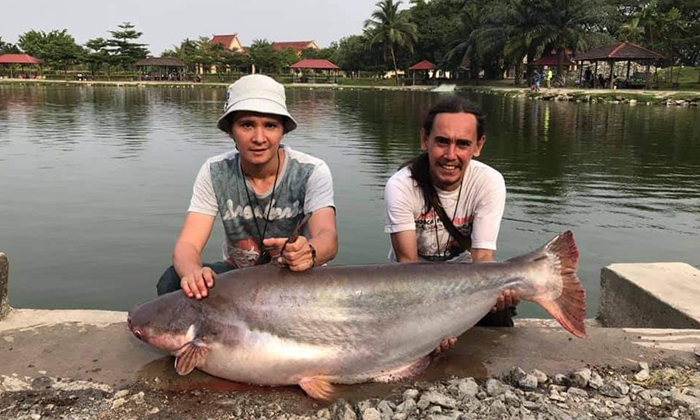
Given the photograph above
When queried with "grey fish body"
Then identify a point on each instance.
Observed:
(267, 325)
(301, 324)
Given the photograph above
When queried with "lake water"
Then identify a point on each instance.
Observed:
(95, 182)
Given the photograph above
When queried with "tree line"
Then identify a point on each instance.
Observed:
(202, 55)
(495, 35)
(486, 37)
(59, 50)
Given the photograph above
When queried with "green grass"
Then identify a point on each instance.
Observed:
(686, 96)
(681, 75)
(683, 78)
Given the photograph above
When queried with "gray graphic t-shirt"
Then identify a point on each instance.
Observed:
(304, 185)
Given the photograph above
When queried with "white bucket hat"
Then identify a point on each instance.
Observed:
(257, 93)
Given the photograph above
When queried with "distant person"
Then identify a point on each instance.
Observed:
(549, 78)
(538, 80)
(601, 80)
(262, 190)
(444, 206)
(589, 77)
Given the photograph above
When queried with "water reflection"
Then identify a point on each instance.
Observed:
(96, 181)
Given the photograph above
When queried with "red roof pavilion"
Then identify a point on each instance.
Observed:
(314, 64)
(19, 59)
(423, 65)
(622, 51)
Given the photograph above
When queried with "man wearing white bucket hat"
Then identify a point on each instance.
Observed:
(262, 191)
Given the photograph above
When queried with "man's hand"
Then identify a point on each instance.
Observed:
(509, 298)
(197, 284)
(296, 255)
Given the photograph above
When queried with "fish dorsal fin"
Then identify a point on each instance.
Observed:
(191, 356)
(317, 388)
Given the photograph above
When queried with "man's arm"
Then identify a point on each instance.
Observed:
(323, 236)
(405, 246)
(187, 256)
(481, 255)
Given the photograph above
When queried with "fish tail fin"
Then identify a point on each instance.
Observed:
(561, 294)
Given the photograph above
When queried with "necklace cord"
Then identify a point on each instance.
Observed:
(257, 203)
(454, 214)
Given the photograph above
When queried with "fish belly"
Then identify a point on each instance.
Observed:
(356, 347)
(265, 359)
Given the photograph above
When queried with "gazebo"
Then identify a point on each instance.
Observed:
(171, 66)
(622, 51)
(22, 59)
(325, 66)
(423, 66)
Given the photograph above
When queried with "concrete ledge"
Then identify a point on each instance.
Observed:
(656, 295)
(97, 347)
(4, 277)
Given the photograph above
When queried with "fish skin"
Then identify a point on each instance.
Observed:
(268, 325)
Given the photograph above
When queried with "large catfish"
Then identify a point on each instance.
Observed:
(268, 325)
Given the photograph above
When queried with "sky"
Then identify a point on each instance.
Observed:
(166, 23)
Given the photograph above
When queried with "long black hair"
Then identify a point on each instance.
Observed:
(420, 165)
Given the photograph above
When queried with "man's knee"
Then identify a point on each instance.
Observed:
(169, 281)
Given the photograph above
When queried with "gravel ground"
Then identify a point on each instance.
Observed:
(657, 392)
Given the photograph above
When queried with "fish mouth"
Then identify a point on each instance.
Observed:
(160, 341)
(140, 334)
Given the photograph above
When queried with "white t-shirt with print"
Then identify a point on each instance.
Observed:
(304, 185)
(478, 214)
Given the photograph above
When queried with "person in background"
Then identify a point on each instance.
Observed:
(445, 206)
(262, 191)
(589, 77)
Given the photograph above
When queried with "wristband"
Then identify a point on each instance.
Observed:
(313, 254)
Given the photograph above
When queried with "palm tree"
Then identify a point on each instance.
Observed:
(631, 31)
(186, 52)
(205, 54)
(507, 31)
(8, 48)
(566, 25)
(393, 28)
(468, 46)
(674, 29)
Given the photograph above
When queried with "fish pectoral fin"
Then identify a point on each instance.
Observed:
(317, 388)
(190, 357)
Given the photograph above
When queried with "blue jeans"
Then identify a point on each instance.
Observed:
(170, 280)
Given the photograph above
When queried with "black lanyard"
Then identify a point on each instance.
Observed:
(265, 256)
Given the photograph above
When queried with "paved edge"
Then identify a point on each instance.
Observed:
(653, 295)
(4, 279)
(32, 319)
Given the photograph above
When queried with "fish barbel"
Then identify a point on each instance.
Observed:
(268, 325)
